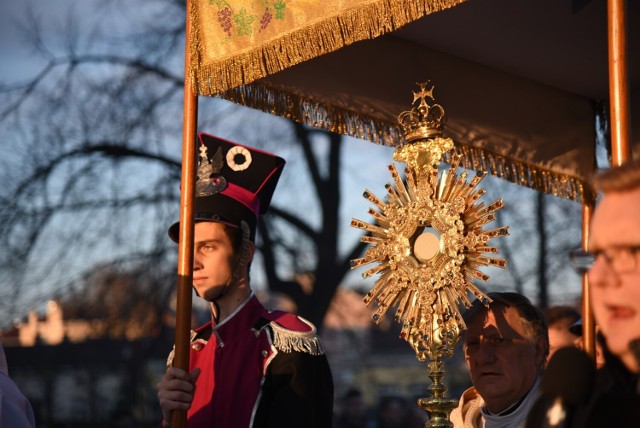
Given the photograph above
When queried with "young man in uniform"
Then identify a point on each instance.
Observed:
(249, 366)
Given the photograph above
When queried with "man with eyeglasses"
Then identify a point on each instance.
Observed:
(613, 268)
(505, 347)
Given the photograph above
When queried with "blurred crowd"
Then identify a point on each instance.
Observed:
(391, 411)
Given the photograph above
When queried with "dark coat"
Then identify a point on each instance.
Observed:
(613, 401)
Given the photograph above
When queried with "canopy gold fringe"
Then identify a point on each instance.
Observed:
(334, 119)
(315, 113)
(366, 21)
(525, 174)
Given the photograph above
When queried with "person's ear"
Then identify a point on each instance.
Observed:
(245, 256)
(541, 353)
(251, 252)
(247, 248)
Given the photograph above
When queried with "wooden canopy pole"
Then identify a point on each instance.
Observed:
(619, 117)
(618, 81)
(588, 321)
(185, 244)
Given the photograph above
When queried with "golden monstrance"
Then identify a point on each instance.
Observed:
(427, 242)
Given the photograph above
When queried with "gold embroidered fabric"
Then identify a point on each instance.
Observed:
(236, 42)
(340, 65)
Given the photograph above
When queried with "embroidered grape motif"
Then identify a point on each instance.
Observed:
(224, 17)
(245, 22)
(266, 18)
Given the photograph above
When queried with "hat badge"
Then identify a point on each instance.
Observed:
(238, 158)
(209, 180)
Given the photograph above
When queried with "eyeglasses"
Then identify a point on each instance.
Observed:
(493, 341)
(620, 258)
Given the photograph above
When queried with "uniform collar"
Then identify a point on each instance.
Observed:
(242, 319)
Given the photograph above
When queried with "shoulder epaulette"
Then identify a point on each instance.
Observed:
(194, 333)
(287, 340)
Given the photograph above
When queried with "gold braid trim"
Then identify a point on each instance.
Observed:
(525, 174)
(173, 351)
(354, 124)
(316, 113)
(286, 340)
(327, 35)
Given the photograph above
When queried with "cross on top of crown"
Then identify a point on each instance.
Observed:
(422, 94)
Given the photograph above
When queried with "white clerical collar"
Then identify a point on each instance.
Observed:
(514, 414)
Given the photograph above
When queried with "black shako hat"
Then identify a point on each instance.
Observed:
(234, 183)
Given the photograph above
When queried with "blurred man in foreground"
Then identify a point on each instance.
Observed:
(505, 348)
(614, 280)
(614, 277)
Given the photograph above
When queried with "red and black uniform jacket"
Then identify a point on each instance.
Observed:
(260, 369)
